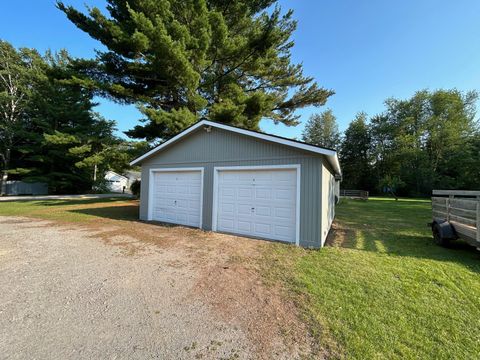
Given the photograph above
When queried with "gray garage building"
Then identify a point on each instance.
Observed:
(223, 178)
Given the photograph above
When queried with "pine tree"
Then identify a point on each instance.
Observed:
(322, 130)
(64, 135)
(183, 60)
(19, 72)
(355, 155)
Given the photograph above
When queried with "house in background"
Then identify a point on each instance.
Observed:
(121, 183)
(222, 178)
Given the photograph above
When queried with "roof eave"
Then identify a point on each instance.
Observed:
(330, 154)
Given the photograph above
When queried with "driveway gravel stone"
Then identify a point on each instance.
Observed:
(112, 292)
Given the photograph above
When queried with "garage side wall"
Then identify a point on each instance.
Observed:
(328, 191)
(225, 148)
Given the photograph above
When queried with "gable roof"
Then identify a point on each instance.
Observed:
(114, 174)
(330, 154)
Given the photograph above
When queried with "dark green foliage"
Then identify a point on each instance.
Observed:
(430, 141)
(385, 290)
(55, 136)
(355, 155)
(20, 72)
(322, 130)
(135, 188)
(183, 60)
(101, 186)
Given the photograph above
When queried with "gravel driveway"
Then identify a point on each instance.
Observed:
(129, 290)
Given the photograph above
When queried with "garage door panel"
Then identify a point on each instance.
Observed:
(227, 208)
(284, 231)
(182, 204)
(227, 224)
(176, 197)
(245, 192)
(264, 229)
(263, 211)
(284, 194)
(283, 213)
(182, 189)
(244, 226)
(263, 193)
(244, 177)
(194, 190)
(259, 203)
(244, 209)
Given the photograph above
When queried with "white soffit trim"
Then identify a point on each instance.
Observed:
(330, 154)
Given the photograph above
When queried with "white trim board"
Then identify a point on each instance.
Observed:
(330, 154)
(150, 188)
(298, 169)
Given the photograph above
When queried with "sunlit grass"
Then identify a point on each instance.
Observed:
(386, 291)
(75, 210)
(383, 291)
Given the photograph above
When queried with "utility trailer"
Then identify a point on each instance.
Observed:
(456, 214)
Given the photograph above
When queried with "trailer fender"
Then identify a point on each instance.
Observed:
(443, 231)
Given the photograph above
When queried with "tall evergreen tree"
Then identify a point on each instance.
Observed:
(181, 60)
(355, 155)
(63, 131)
(322, 130)
(48, 129)
(19, 72)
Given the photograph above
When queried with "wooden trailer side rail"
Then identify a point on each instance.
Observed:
(461, 209)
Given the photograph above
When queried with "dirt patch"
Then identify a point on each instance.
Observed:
(339, 236)
(239, 296)
(146, 290)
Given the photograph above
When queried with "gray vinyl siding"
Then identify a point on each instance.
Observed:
(225, 148)
(327, 201)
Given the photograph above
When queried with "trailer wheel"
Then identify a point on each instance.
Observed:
(437, 236)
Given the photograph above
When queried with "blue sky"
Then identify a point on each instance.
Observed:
(366, 51)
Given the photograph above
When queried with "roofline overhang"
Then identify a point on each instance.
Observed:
(330, 154)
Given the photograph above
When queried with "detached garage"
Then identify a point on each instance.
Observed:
(222, 178)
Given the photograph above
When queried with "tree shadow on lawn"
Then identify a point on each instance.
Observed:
(70, 202)
(121, 212)
(396, 228)
(411, 245)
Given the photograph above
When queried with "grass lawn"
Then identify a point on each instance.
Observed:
(74, 210)
(384, 290)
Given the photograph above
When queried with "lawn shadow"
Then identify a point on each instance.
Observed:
(416, 246)
(69, 202)
(121, 212)
(396, 228)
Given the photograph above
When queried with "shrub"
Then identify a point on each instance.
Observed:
(135, 188)
(101, 186)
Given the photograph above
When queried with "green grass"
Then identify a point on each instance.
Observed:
(384, 291)
(74, 210)
(387, 291)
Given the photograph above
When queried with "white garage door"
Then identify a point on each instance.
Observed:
(259, 203)
(176, 197)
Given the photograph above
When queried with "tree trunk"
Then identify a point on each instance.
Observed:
(4, 178)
